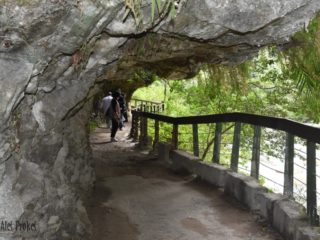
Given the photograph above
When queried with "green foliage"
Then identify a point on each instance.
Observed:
(154, 92)
(133, 7)
(301, 63)
(146, 76)
(216, 89)
(258, 87)
(304, 58)
(154, 4)
(164, 8)
(92, 125)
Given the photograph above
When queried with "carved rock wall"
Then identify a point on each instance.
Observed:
(56, 55)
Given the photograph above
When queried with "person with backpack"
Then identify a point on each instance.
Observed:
(106, 103)
(123, 109)
(115, 115)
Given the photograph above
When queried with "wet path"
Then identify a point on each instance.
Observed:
(135, 198)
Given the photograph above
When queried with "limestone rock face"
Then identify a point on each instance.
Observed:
(56, 55)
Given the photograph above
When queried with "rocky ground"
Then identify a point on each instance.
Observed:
(136, 198)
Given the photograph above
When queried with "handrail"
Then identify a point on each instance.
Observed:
(141, 100)
(295, 128)
(311, 134)
(148, 106)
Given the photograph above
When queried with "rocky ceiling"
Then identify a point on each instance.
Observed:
(55, 55)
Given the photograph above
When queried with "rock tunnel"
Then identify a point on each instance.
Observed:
(57, 55)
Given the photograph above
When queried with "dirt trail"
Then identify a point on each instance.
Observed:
(136, 198)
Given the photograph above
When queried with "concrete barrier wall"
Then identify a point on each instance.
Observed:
(285, 215)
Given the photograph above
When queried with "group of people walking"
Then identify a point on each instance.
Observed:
(114, 108)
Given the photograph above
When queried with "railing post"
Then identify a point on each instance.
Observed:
(311, 184)
(134, 132)
(143, 131)
(156, 133)
(235, 147)
(136, 128)
(217, 143)
(146, 130)
(133, 125)
(255, 161)
(289, 166)
(141, 137)
(175, 137)
(195, 140)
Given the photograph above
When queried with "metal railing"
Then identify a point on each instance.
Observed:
(147, 106)
(292, 129)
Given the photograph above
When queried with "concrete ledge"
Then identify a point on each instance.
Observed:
(244, 189)
(286, 216)
(181, 160)
(308, 233)
(265, 202)
(163, 152)
(212, 173)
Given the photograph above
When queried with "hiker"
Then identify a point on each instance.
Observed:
(115, 115)
(123, 109)
(106, 103)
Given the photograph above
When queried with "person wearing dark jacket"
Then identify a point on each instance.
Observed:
(115, 114)
(123, 109)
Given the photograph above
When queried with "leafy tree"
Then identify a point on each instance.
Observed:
(302, 64)
(260, 86)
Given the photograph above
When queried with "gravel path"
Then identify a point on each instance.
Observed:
(136, 198)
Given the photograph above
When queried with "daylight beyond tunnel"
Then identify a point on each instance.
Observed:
(55, 56)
